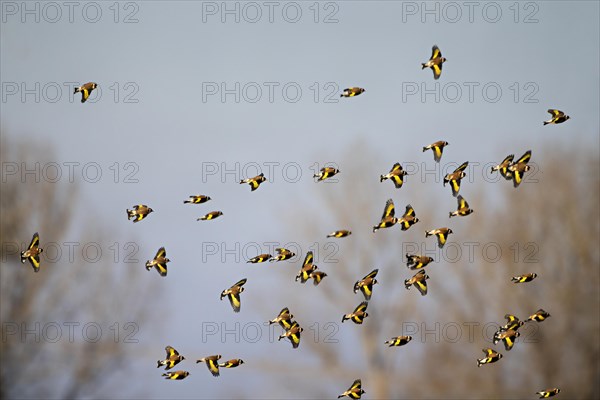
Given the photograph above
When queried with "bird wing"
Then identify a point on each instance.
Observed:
(389, 210)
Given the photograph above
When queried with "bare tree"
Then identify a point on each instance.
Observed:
(550, 227)
(42, 356)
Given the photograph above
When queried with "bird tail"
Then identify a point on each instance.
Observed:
(546, 122)
(381, 178)
(186, 201)
(159, 364)
(406, 284)
(423, 66)
(129, 214)
(479, 363)
(451, 215)
(427, 234)
(76, 90)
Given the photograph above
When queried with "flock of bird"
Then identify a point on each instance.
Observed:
(508, 169)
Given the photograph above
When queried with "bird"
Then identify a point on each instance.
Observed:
(352, 91)
(455, 177)
(417, 261)
(418, 280)
(210, 215)
(524, 278)
(502, 168)
(358, 315)
(325, 173)
(520, 167)
(139, 212)
(463, 208)
(33, 253)
(340, 234)
(173, 358)
(176, 375)
(293, 334)
(159, 262)
(396, 175)
(507, 337)
(512, 323)
(539, 316)
(398, 341)
(307, 268)
(282, 254)
(548, 393)
(211, 363)
(435, 62)
(284, 319)
(437, 148)
(365, 285)
(355, 391)
(442, 235)
(387, 219)
(260, 258)
(409, 218)
(197, 199)
(233, 293)
(254, 182)
(491, 356)
(86, 90)
(236, 362)
(317, 276)
(558, 117)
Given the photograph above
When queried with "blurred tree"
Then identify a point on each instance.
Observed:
(67, 289)
(549, 225)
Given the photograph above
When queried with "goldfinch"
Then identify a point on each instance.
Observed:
(33, 253)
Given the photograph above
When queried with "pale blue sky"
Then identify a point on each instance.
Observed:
(170, 54)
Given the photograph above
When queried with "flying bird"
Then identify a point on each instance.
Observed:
(33, 253)
(387, 219)
(524, 278)
(396, 175)
(491, 356)
(236, 362)
(260, 258)
(502, 168)
(417, 261)
(254, 182)
(419, 281)
(212, 363)
(340, 234)
(325, 173)
(293, 334)
(352, 91)
(462, 209)
(558, 117)
(408, 219)
(282, 254)
(365, 285)
(520, 167)
(86, 90)
(197, 199)
(437, 148)
(544, 394)
(139, 212)
(508, 337)
(173, 358)
(284, 319)
(398, 341)
(455, 177)
(512, 323)
(539, 316)
(307, 268)
(159, 262)
(210, 215)
(435, 62)
(176, 375)
(317, 276)
(441, 234)
(358, 315)
(233, 293)
(355, 391)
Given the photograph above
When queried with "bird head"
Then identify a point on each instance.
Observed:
(241, 361)
(444, 59)
(450, 231)
(150, 210)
